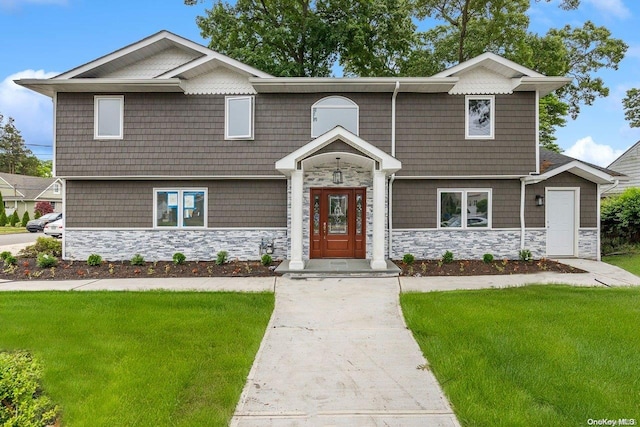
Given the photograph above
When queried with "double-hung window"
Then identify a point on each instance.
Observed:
(238, 122)
(464, 208)
(479, 117)
(331, 112)
(180, 208)
(56, 188)
(108, 116)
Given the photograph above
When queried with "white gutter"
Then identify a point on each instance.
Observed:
(393, 176)
(614, 185)
(522, 223)
(54, 99)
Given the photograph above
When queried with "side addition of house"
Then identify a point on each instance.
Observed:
(166, 146)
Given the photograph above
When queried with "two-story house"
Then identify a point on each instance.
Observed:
(167, 146)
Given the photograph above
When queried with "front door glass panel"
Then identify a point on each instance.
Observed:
(338, 207)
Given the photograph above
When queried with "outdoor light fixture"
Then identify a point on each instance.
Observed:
(539, 200)
(337, 174)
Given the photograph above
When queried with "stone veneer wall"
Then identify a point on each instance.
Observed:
(588, 243)
(473, 244)
(160, 245)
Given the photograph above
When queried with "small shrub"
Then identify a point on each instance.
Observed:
(137, 260)
(179, 258)
(37, 215)
(23, 402)
(525, 255)
(487, 258)
(46, 261)
(3, 219)
(14, 219)
(10, 260)
(408, 259)
(222, 257)
(266, 259)
(94, 260)
(447, 258)
(45, 245)
(25, 219)
(4, 255)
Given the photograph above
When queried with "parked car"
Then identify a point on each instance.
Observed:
(54, 229)
(36, 225)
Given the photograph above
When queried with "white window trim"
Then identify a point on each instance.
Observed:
(96, 100)
(463, 220)
(468, 98)
(180, 192)
(249, 136)
(346, 107)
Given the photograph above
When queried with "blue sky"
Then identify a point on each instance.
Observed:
(41, 38)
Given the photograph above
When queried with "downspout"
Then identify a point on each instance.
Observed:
(522, 224)
(393, 176)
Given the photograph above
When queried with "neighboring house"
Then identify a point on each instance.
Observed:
(628, 164)
(22, 192)
(166, 146)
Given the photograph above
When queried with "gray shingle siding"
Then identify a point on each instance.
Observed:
(431, 137)
(172, 134)
(122, 204)
(415, 202)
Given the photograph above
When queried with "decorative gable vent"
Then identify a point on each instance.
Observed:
(481, 81)
(221, 81)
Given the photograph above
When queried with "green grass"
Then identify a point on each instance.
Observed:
(537, 355)
(630, 262)
(12, 230)
(139, 359)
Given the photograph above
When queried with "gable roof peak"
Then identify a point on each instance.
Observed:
(492, 62)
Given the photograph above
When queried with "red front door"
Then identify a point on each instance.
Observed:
(338, 223)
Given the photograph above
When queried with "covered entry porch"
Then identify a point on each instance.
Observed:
(364, 171)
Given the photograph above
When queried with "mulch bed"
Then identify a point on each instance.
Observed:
(480, 268)
(26, 269)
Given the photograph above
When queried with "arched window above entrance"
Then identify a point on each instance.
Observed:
(334, 111)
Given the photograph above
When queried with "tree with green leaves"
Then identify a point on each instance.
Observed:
(14, 218)
(25, 218)
(631, 104)
(15, 157)
(306, 38)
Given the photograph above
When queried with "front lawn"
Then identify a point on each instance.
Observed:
(152, 358)
(630, 262)
(536, 355)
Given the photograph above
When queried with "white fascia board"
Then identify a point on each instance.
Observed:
(216, 57)
(356, 84)
(167, 177)
(460, 177)
(288, 164)
(49, 87)
(545, 85)
(488, 56)
(577, 168)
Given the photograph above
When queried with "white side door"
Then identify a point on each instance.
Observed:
(561, 222)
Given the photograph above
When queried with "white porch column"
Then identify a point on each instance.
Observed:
(296, 262)
(378, 261)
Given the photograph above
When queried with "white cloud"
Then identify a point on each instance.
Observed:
(33, 113)
(588, 150)
(612, 7)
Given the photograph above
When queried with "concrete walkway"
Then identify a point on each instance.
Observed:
(337, 353)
